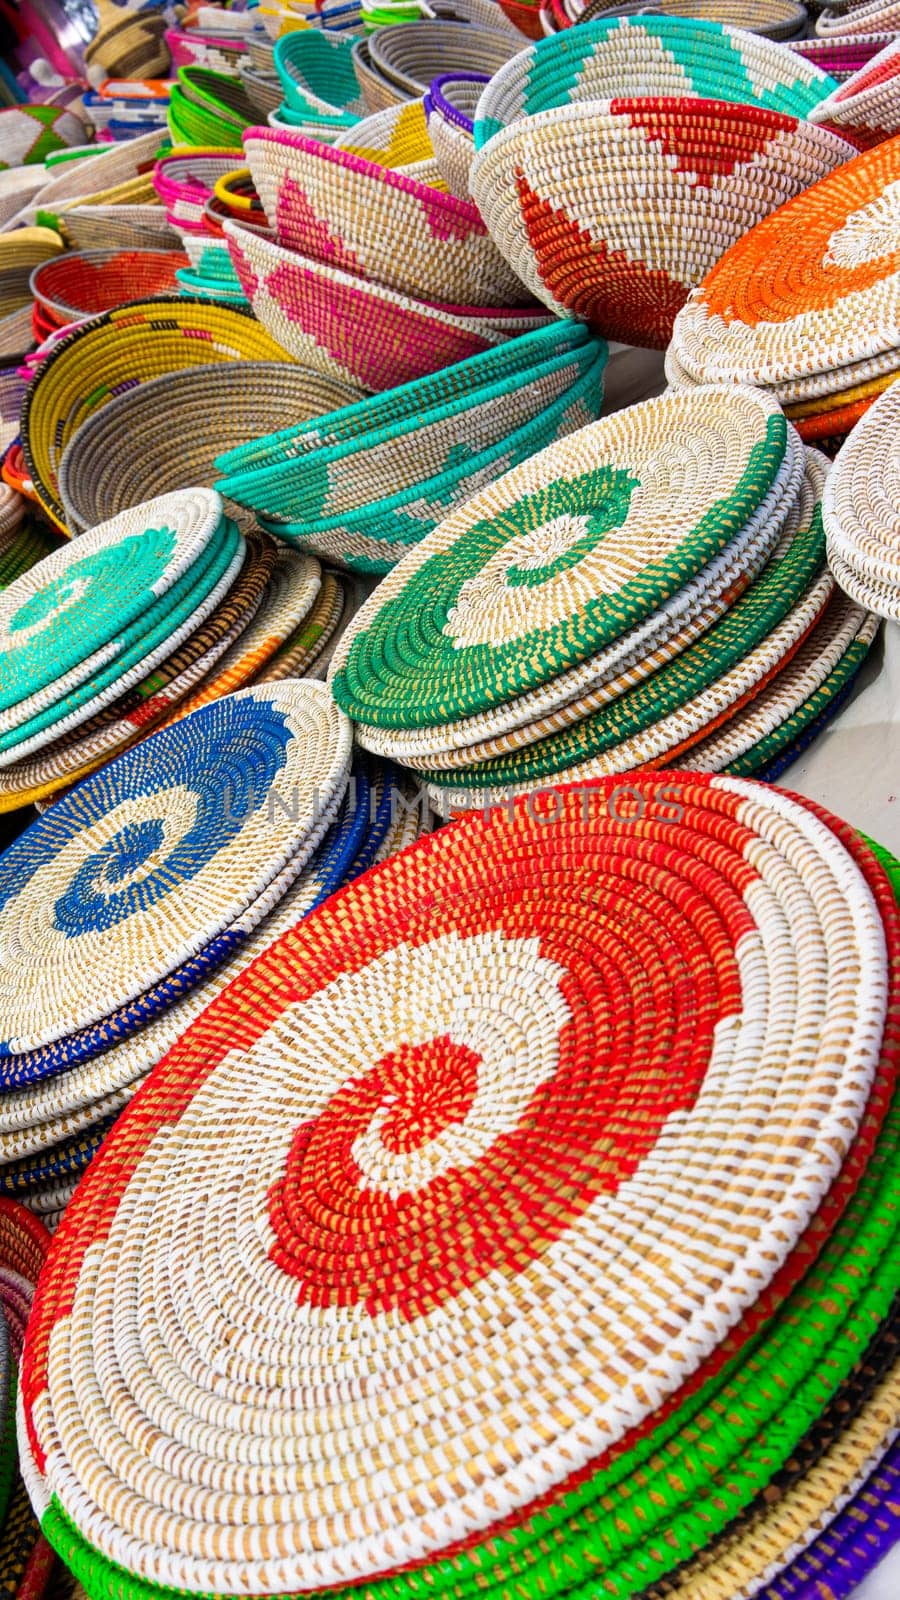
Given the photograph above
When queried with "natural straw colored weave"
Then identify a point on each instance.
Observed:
(329, 204)
(216, 407)
(412, 54)
(419, 969)
(450, 109)
(862, 510)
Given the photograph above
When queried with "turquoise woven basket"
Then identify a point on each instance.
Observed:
(620, 57)
(317, 77)
(364, 528)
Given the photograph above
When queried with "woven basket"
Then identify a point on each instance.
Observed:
(217, 407)
(195, 49)
(378, 92)
(867, 17)
(29, 133)
(817, 284)
(75, 286)
(649, 57)
(411, 55)
(263, 90)
(117, 227)
(774, 19)
(450, 108)
(317, 76)
(127, 346)
(524, 16)
(15, 334)
(841, 57)
(185, 183)
(589, 209)
(330, 205)
(396, 138)
(868, 103)
(353, 330)
(459, 984)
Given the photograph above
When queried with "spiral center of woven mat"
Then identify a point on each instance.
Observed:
(480, 1131)
(62, 595)
(869, 234)
(569, 556)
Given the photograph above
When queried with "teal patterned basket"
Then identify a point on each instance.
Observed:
(619, 57)
(317, 77)
(366, 502)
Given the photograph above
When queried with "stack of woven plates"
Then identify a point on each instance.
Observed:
(443, 1235)
(331, 285)
(27, 1563)
(617, 162)
(120, 350)
(151, 874)
(81, 284)
(23, 541)
(162, 608)
(218, 407)
(862, 510)
(604, 606)
(807, 305)
(362, 485)
(867, 104)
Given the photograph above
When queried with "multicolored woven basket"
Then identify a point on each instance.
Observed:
(862, 510)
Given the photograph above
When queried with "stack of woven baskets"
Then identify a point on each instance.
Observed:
(108, 199)
(362, 485)
(331, 285)
(96, 361)
(186, 184)
(867, 103)
(525, 1219)
(145, 617)
(208, 108)
(187, 895)
(81, 284)
(653, 585)
(807, 305)
(319, 92)
(617, 161)
(861, 509)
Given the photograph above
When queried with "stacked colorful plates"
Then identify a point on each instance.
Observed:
(81, 284)
(378, 815)
(612, 173)
(218, 406)
(432, 1248)
(122, 349)
(360, 486)
(862, 510)
(807, 305)
(867, 105)
(27, 1563)
(354, 329)
(157, 869)
(102, 634)
(560, 633)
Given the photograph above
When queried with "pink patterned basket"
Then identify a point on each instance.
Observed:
(841, 56)
(867, 106)
(357, 331)
(378, 223)
(192, 48)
